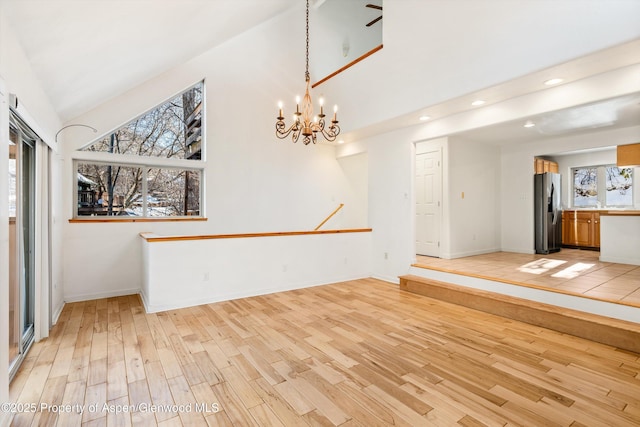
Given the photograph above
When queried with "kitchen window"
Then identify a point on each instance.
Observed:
(602, 186)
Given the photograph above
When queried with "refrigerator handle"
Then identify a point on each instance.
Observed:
(552, 205)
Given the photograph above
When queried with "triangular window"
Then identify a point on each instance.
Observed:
(171, 130)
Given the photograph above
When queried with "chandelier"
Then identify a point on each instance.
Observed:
(304, 122)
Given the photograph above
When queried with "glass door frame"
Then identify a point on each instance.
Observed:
(23, 255)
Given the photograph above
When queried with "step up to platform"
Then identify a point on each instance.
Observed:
(618, 333)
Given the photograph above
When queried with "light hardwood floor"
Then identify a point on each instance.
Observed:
(571, 271)
(359, 353)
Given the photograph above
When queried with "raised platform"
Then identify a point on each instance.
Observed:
(618, 333)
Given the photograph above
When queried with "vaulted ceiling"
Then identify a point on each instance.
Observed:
(85, 52)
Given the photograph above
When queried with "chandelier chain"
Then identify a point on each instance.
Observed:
(306, 74)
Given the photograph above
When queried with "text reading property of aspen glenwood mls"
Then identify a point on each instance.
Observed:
(107, 408)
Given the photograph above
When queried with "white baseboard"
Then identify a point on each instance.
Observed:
(620, 260)
(518, 250)
(394, 280)
(56, 314)
(472, 253)
(99, 295)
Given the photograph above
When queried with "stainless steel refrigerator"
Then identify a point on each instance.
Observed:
(548, 212)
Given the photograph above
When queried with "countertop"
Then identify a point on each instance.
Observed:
(616, 212)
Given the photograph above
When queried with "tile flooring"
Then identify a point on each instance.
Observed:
(571, 271)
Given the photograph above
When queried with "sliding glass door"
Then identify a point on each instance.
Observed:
(22, 168)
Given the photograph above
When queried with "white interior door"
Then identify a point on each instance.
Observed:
(428, 184)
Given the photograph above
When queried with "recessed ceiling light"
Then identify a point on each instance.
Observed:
(529, 124)
(341, 141)
(477, 102)
(552, 82)
(423, 118)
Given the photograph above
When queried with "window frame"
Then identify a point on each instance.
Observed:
(601, 188)
(81, 155)
(143, 190)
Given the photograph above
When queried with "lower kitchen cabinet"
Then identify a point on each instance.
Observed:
(581, 229)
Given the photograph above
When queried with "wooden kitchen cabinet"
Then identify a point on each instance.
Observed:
(581, 229)
(543, 165)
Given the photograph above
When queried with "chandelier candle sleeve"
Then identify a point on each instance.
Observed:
(305, 122)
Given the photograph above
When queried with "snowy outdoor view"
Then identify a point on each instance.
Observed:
(171, 131)
(618, 189)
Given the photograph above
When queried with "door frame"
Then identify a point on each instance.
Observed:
(26, 266)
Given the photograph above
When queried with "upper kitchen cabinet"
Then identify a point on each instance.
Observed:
(541, 165)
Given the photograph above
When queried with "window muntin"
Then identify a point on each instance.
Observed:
(137, 191)
(602, 186)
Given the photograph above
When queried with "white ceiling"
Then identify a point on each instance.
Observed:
(618, 112)
(87, 51)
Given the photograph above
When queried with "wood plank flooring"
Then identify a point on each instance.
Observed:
(359, 353)
(570, 271)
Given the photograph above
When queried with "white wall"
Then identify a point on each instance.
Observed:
(391, 165)
(424, 63)
(36, 109)
(5, 244)
(356, 171)
(470, 167)
(17, 78)
(254, 182)
(191, 272)
(474, 169)
(334, 24)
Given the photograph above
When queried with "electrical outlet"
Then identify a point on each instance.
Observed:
(205, 277)
(386, 255)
